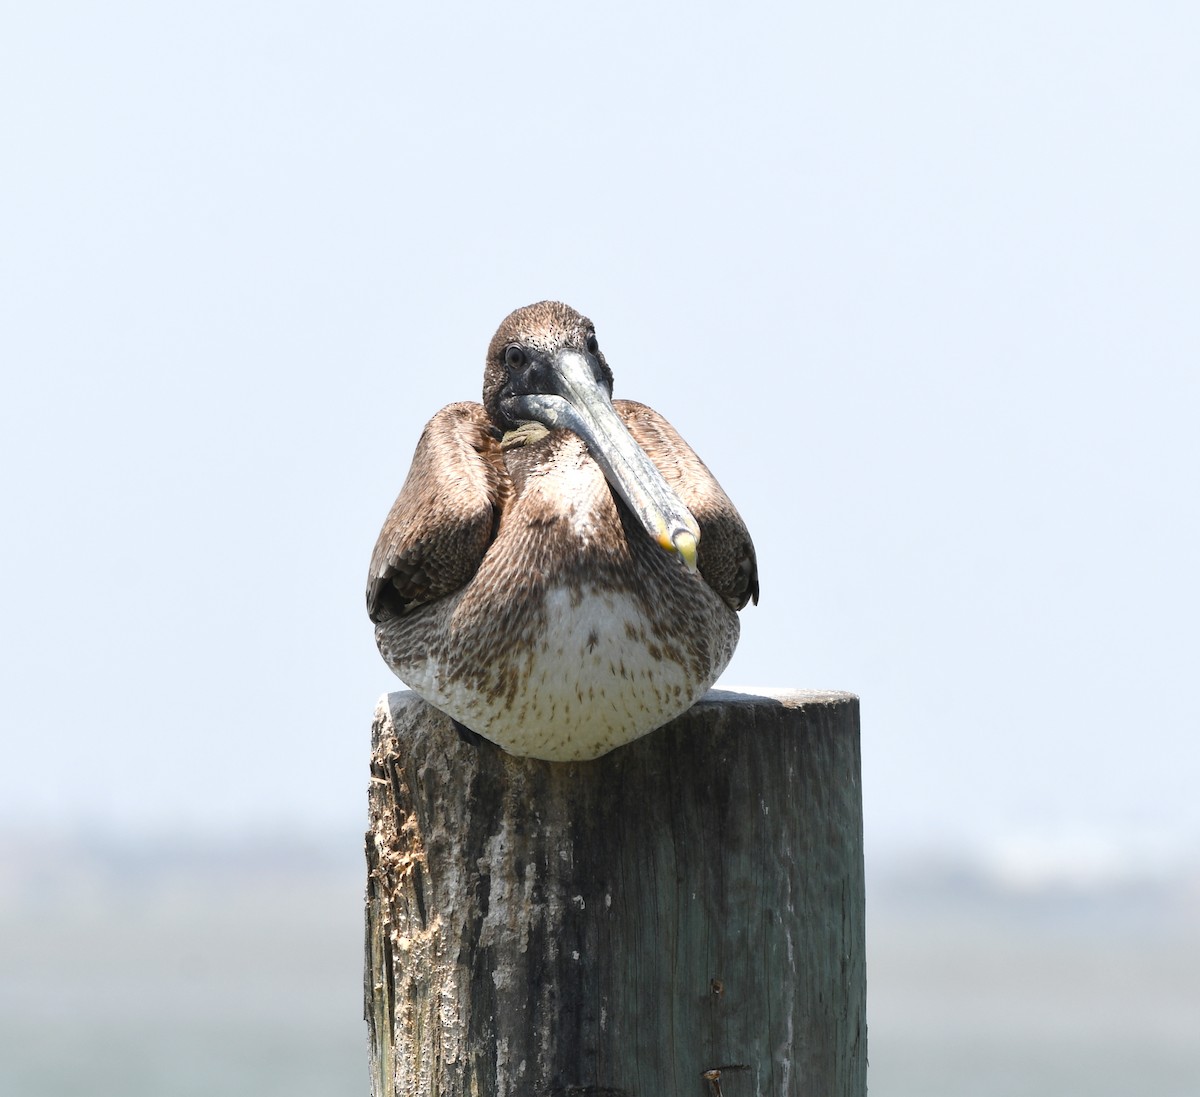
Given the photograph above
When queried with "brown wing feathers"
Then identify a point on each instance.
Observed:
(726, 554)
(445, 516)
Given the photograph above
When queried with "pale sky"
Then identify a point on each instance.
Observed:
(919, 283)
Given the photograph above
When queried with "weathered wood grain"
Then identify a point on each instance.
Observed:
(680, 918)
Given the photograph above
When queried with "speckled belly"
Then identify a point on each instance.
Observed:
(585, 673)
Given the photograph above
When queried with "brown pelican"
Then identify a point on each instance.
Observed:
(560, 573)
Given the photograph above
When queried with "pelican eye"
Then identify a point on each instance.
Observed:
(593, 347)
(514, 356)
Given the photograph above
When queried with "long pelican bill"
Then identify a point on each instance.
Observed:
(581, 404)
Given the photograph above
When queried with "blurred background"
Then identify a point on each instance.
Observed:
(919, 283)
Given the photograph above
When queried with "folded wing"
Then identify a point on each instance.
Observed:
(445, 516)
(726, 555)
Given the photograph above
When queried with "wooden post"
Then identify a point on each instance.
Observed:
(680, 918)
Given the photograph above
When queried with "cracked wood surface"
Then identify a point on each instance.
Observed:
(681, 917)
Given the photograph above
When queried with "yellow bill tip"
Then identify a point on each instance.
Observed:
(685, 543)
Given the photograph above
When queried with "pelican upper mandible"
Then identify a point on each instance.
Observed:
(560, 572)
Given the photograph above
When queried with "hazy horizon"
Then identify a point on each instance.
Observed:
(134, 968)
